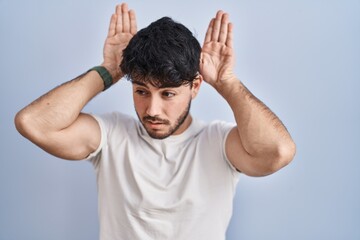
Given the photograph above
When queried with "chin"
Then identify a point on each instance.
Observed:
(158, 135)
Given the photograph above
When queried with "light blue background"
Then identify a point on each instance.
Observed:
(302, 58)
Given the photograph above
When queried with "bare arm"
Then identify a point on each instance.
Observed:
(54, 122)
(260, 144)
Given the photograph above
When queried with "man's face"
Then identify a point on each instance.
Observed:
(163, 111)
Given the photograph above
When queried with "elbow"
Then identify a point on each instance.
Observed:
(281, 157)
(284, 154)
(20, 122)
(287, 152)
(30, 127)
(271, 161)
(23, 124)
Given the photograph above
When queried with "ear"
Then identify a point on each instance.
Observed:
(196, 86)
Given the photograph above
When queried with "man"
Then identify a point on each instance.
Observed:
(166, 176)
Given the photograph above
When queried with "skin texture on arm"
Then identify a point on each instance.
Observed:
(260, 144)
(54, 121)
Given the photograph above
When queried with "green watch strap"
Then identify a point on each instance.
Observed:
(105, 75)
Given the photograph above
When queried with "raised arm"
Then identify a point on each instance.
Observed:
(260, 144)
(54, 121)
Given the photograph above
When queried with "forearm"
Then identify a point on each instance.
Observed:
(60, 107)
(261, 132)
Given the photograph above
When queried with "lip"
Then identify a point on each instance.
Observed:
(154, 124)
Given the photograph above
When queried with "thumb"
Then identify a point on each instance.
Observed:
(201, 62)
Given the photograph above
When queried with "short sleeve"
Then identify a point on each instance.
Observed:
(222, 130)
(94, 157)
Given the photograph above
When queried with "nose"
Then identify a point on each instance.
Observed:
(154, 106)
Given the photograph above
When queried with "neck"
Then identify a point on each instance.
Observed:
(185, 125)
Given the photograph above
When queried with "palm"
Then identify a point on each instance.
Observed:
(216, 62)
(114, 46)
(217, 55)
(122, 28)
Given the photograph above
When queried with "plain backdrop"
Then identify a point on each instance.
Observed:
(302, 58)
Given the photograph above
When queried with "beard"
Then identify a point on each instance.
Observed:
(172, 127)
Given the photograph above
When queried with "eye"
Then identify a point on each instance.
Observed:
(141, 92)
(168, 94)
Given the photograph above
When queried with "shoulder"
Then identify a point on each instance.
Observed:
(215, 132)
(115, 121)
(114, 118)
(212, 139)
(219, 128)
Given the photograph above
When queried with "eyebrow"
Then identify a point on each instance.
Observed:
(139, 83)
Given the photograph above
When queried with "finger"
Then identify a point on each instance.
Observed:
(125, 18)
(119, 24)
(216, 26)
(224, 28)
(229, 38)
(112, 26)
(209, 32)
(133, 24)
(201, 58)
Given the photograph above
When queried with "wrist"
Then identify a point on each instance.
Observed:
(105, 76)
(114, 71)
(233, 91)
(227, 84)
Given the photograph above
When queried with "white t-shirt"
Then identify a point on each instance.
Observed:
(181, 187)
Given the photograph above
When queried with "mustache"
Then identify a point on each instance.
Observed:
(155, 119)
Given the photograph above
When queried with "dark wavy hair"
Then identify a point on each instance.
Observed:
(165, 53)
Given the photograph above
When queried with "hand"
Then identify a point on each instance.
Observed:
(122, 28)
(217, 55)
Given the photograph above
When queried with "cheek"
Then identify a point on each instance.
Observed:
(139, 105)
(176, 108)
